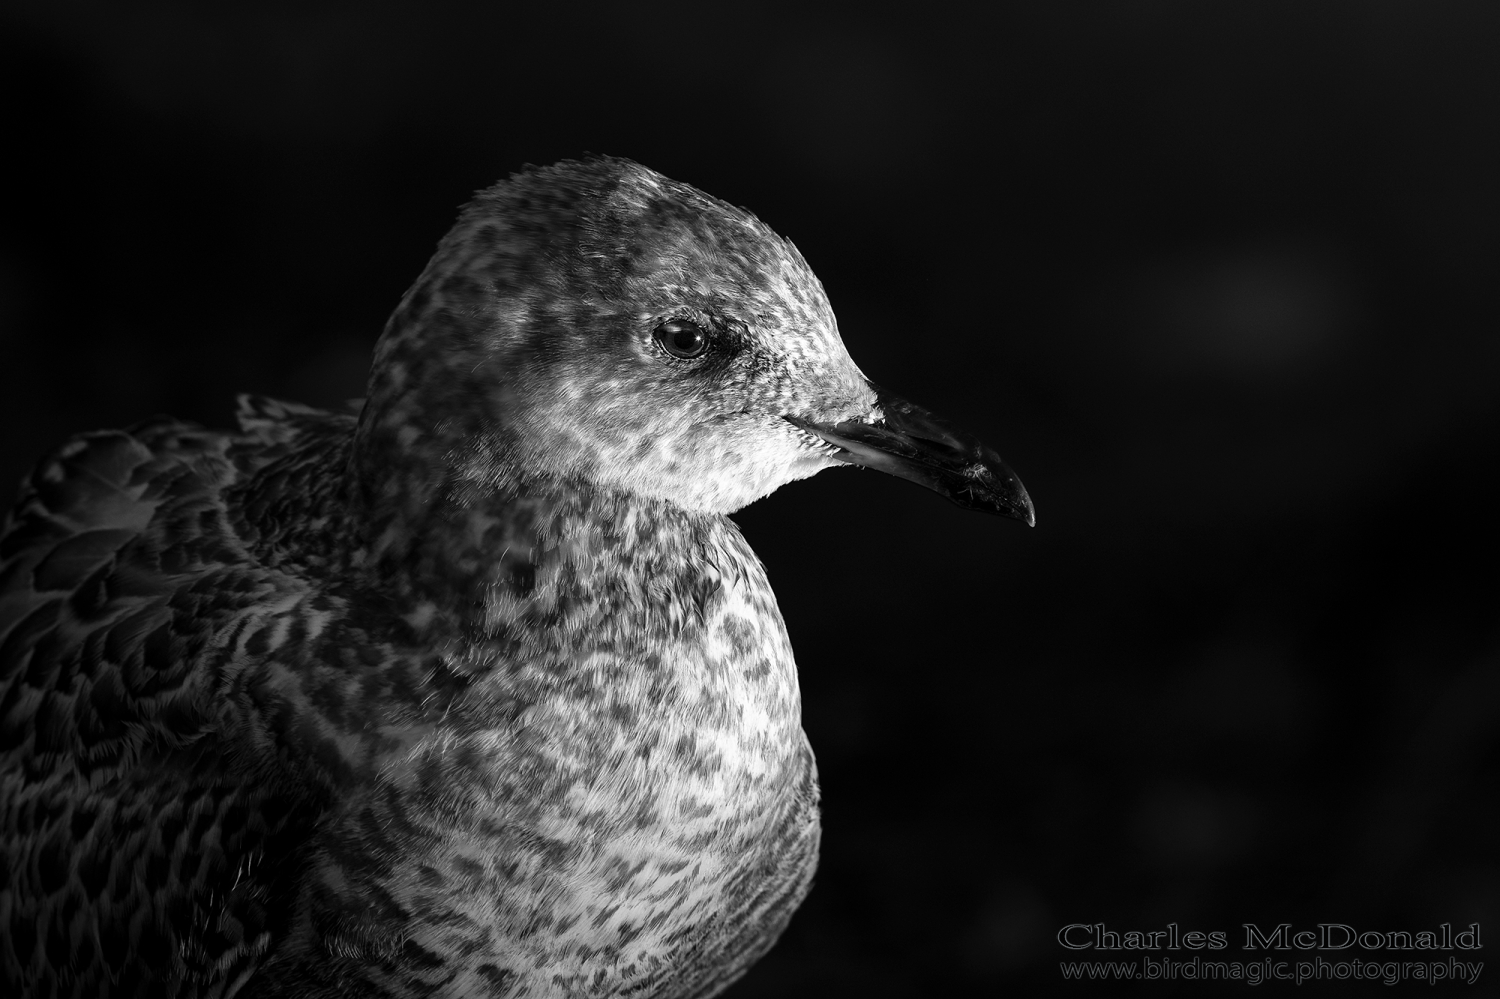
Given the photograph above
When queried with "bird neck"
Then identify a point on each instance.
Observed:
(541, 561)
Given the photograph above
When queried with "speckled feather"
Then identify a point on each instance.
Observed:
(478, 694)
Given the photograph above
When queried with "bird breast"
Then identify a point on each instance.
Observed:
(627, 781)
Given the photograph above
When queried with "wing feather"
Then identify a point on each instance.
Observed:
(137, 856)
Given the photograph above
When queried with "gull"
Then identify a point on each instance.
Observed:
(476, 692)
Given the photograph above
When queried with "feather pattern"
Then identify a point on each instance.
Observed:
(229, 757)
(477, 692)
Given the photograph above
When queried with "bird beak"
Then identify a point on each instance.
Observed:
(914, 444)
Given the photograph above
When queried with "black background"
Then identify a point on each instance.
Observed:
(1217, 279)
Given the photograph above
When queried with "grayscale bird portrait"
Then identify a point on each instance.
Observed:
(598, 500)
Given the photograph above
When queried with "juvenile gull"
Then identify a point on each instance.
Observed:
(479, 693)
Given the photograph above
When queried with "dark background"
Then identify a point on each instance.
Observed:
(1217, 279)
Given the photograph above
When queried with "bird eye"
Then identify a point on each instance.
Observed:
(682, 338)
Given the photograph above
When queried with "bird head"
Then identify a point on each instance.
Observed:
(596, 322)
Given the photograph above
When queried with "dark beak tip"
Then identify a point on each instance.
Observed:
(1026, 510)
(1017, 505)
(1006, 496)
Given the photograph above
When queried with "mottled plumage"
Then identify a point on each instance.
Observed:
(478, 693)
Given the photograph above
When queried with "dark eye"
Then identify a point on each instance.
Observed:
(682, 338)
